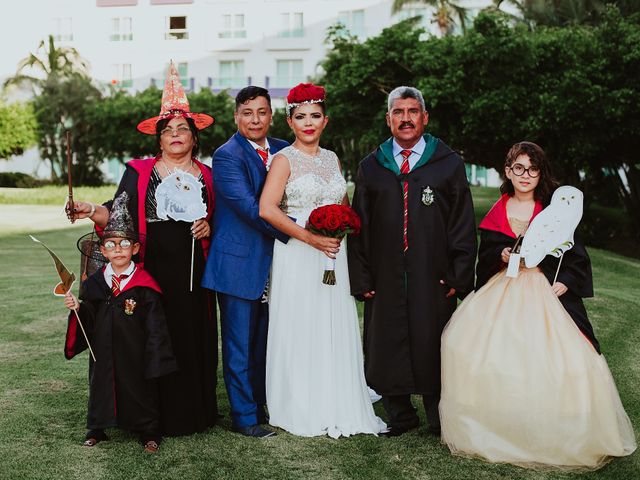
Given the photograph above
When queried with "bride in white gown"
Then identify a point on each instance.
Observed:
(315, 377)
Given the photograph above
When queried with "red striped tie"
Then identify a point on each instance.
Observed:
(115, 283)
(264, 154)
(404, 169)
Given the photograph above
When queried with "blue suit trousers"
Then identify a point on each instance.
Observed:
(244, 347)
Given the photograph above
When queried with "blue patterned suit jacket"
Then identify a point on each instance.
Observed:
(242, 243)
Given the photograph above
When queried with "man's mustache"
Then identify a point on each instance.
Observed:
(407, 124)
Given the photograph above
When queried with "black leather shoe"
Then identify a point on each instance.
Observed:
(394, 432)
(434, 430)
(255, 431)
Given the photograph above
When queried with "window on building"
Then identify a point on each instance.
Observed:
(231, 74)
(62, 29)
(354, 21)
(233, 26)
(291, 25)
(176, 28)
(288, 73)
(183, 71)
(121, 29)
(122, 75)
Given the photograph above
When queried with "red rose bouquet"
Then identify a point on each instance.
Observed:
(334, 221)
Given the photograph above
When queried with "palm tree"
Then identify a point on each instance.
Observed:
(61, 87)
(50, 61)
(558, 13)
(443, 14)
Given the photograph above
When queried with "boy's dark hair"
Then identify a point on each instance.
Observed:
(538, 158)
(251, 92)
(162, 124)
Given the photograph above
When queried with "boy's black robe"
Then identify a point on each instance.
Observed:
(131, 351)
(403, 323)
(575, 270)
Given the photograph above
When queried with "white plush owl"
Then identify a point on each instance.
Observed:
(551, 231)
(179, 197)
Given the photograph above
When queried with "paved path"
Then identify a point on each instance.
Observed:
(34, 218)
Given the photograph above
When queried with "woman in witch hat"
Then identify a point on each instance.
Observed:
(171, 201)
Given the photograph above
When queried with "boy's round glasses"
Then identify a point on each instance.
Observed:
(124, 244)
(518, 169)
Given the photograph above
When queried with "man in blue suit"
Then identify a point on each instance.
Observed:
(240, 257)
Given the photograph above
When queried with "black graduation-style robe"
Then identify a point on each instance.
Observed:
(188, 402)
(575, 270)
(129, 337)
(404, 321)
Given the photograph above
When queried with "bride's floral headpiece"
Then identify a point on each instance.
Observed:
(304, 93)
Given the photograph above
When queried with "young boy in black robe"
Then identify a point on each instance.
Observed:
(121, 311)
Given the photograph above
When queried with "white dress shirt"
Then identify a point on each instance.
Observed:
(109, 271)
(416, 152)
(266, 147)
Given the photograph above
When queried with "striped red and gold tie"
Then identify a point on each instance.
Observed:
(115, 283)
(264, 154)
(404, 169)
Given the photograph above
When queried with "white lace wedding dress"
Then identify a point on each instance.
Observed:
(315, 376)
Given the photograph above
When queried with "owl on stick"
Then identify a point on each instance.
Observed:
(551, 231)
(179, 197)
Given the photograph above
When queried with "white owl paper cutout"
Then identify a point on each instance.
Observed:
(551, 231)
(179, 197)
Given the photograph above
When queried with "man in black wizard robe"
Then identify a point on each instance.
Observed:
(415, 254)
(125, 323)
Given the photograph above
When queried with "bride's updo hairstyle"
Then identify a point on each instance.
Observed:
(305, 93)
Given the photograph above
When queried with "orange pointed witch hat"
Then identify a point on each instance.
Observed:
(174, 104)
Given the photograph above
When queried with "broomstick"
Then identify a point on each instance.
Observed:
(66, 281)
(69, 206)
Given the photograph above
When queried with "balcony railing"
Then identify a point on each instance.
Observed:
(221, 83)
(291, 33)
(121, 37)
(233, 34)
(286, 81)
(188, 83)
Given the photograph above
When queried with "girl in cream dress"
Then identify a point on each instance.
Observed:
(523, 380)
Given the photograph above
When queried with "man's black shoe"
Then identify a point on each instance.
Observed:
(255, 431)
(394, 432)
(434, 430)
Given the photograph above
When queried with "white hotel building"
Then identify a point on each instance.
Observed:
(216, 44)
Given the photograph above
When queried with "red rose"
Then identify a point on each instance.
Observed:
(333, 223)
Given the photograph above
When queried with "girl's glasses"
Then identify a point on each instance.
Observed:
(518, 169)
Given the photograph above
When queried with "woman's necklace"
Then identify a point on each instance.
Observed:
(164, 164)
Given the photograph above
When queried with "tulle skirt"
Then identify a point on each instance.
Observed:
(315, 376)
(521, 384)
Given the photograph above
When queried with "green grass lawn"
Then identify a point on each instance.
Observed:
(54, 195)
(43, 397)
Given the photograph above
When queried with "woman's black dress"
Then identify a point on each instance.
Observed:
(188, 396)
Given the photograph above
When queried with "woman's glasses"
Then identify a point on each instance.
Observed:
(170, 132)
(124, 244)
(518, 169)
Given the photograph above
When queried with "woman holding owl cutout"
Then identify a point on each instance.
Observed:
(171, 201)
(523, 381)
